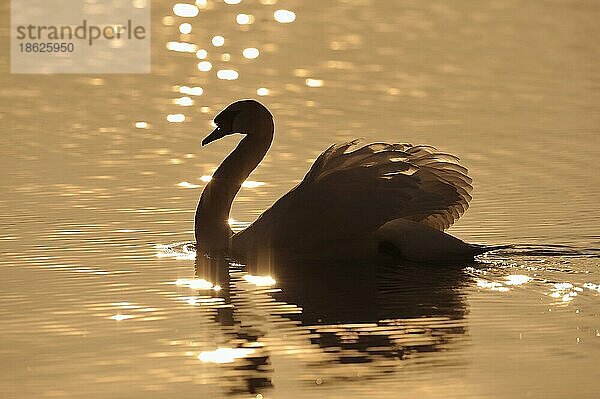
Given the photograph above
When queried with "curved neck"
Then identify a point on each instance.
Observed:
(211, 222)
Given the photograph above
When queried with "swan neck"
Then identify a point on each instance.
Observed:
(211, 222)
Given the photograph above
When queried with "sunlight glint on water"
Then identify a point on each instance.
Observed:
(101, 296)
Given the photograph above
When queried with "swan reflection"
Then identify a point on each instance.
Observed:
(372, 318)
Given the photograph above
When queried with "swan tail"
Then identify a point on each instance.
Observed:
(481, 249)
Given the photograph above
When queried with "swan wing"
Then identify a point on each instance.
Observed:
(414, 182)
(352, 190)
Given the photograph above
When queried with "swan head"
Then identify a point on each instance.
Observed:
(247, 117)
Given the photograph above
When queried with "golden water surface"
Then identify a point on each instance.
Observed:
(100, 296)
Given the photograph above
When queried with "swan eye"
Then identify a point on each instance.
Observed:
(224, 128)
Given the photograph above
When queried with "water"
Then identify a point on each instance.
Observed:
(100, 299)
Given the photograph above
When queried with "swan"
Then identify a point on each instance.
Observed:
(355, 202)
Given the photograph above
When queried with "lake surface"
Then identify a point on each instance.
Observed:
(101, 297)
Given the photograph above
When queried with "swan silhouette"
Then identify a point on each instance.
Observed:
(355, 202)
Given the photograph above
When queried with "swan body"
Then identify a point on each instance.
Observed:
(354, 203)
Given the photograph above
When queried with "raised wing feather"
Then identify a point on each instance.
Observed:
(435, 187)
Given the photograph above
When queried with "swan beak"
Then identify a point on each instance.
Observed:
(215, 135)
